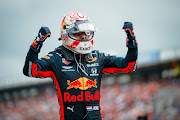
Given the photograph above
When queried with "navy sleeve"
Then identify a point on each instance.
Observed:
(114, 64)
(35, 67)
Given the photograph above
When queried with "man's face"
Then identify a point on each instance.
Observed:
(81, 36)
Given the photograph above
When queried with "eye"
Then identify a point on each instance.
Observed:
(77, 34)
(87, 33)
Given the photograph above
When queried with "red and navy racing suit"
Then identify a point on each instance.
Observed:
(78, 93)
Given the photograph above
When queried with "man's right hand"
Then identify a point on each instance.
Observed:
(44, 32)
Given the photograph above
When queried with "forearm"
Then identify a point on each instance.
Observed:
(131, 57)
(132, 45)
(32, 54)
(31, 57)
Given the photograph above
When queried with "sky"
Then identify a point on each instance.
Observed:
(156, 26)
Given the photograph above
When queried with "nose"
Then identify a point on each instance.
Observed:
(84, 36)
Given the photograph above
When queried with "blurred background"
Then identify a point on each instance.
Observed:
(151, 92)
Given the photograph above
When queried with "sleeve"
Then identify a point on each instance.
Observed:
(35, 67)
(114, 64)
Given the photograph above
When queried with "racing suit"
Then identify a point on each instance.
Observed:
(78, 90)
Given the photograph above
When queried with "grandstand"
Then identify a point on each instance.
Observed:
(152, 92)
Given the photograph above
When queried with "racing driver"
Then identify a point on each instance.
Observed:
(75, 68)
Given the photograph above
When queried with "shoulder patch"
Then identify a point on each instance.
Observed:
(46, 57)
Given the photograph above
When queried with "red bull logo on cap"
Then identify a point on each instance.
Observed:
(82, 83)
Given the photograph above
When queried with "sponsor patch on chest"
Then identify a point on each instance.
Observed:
(65, 61)
(93, 65)
(67, 68)
(94, 72)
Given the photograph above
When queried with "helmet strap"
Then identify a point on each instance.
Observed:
(65, 52)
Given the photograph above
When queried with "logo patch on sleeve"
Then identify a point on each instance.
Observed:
(46, 57)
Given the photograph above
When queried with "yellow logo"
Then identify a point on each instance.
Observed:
(46, 57)
(82, 83)
(94, 59)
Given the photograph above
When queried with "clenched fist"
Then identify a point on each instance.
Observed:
(44, 32)
(131, 39)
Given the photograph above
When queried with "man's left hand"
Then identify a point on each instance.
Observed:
(128, 28)
(131, 39)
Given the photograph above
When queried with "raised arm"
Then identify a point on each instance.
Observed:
(113, 64)
(33, 66)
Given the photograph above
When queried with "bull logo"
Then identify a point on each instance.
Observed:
(82, 83)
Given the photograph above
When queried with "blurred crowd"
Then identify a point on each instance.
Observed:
(135, 100)
(43, 106)
(141, 101)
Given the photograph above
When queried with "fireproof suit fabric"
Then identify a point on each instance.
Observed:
(78, 93)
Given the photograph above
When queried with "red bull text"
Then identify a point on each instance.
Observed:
(88, 96)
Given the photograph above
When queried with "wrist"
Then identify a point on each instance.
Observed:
(131, 37)
(131, 43)
(36, 45)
